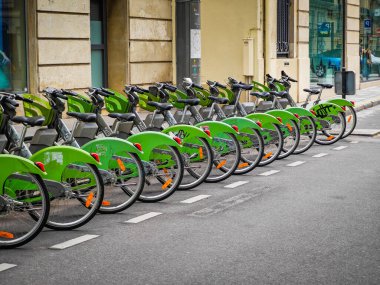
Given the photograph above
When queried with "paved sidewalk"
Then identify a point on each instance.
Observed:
(365, 98)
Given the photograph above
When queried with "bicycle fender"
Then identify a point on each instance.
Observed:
(266, 120)
(150, 140)
(11, 164)
(57, 158)
(216, 127)
(340, 102)
(300, 111)
(324, 110)
(106, 148)
(185, 132)
(245, 125)
(284, 115)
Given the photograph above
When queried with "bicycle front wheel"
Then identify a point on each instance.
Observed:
(308, 132)
(123, 183)
(22, 197)
(291, 134)
(75, 200)
(333, 128)
(273, 143)
(351, 120)
(226, 152)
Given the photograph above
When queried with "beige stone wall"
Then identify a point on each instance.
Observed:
(150, 41)
(353, 34)
(63, 44)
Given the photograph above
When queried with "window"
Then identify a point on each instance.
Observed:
(98, 43)
(325, 40)
(283, 28)
(369, 40)
(13, 75)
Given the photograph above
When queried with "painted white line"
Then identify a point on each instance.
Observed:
(6, 266)
(354, 142)
(143, 217)
(236, 184)
(320, 154)
(195, 199)
(296, 163)
(270, 172)
(73, 242)
(340, 147)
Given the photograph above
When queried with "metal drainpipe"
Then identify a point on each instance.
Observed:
(344, 91)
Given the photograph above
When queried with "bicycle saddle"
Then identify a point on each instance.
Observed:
(242, 86)
(190, 102)
(30, 121)
(84, 117)
(323, 85)
(128, 117)
(312, 91)
(260, 94)
(219, 100)
(160, 106)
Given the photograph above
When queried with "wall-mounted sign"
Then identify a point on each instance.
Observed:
(324, 29)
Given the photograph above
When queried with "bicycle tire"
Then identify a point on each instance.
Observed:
(354, 122)
(286, 152)
(279, 145)
(336, 137)
(312, 137)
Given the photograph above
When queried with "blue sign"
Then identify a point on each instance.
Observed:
(324, 29)
(367, 23)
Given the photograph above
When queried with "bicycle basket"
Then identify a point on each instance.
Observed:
(174, 96)
(80, 104)
(39, 107)
(117, 103)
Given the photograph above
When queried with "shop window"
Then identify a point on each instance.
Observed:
(325, 40)
(283, 28)
(369, 40)
(13, 66)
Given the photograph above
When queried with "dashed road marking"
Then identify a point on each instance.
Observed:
(340, 147)
(270, 172)
(236, 184)
(296, 163)
(320, 154)
(6, 266)
(143, 217)
(74, 241)
(195, 199)
(354, 142)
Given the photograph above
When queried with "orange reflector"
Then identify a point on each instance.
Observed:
(201, 153)
(268, 155)
(89, 199)
(220, 165)
(106, 203)
(330, 138)
(242, 165)
(289, 127)
(6, 235)
(349, 118)
(166, 172)
(167, 183)
(121, 164)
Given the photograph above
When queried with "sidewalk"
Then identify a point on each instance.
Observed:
(365, 98)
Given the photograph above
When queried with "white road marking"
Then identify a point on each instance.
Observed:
(6, 266)
(236, 184)
(143, 217)
(74, 241)
(296, 163)
(195, 199)
(354, 142)
(320, 154)
(270, 172)
(340, 147)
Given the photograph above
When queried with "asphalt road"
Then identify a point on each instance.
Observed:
(315, 223)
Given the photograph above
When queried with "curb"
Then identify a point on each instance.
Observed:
(368, 104)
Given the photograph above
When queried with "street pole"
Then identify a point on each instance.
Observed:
(344, 89)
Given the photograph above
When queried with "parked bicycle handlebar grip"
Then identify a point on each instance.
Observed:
(198, 86)
(27, 100)
(69, 92)
(170, 87)
(138, 90)
(107, 91)
(217, 84)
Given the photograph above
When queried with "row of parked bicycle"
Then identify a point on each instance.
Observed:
(62, 176)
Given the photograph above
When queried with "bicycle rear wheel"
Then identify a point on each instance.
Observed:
(123, 183)
(351, 120)
(252, 149)
(333, 132)
(308, 131)
(226, 152)
(273, 143)
(163, 174)
(291, 136)
(22, 195)
(75, 200)
(198, 161)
